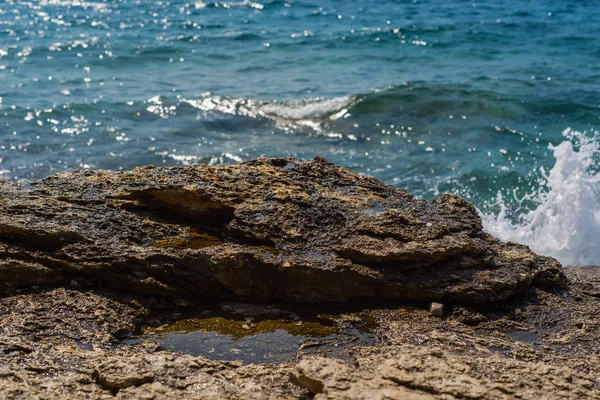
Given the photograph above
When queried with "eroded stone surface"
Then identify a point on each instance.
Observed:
(73, 353)
(63, 344)
(85, 256)
(269, 228)
(429, 373)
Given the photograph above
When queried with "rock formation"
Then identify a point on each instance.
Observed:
(306, 231)
(86, 258)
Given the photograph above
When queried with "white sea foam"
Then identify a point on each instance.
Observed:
(318, 108)
(309, 112)
(224, 4)
(74, 3)
(566, 222)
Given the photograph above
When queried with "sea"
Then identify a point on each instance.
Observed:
(497, 101)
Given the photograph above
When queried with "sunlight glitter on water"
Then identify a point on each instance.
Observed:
(433, 97)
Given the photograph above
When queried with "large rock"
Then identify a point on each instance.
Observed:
(268, 228)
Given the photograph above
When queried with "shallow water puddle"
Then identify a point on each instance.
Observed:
(524, 336)
(257, 333)
(519, 336)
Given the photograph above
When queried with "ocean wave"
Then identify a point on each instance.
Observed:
(420, 97)
(315, 109)
(418, 100)
(307, 112)
(229, 4)
(74, 3)
(565, 223)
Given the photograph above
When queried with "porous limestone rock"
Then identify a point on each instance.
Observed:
(306, 231)
(86, 256)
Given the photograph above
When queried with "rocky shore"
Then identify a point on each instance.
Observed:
(91, 259)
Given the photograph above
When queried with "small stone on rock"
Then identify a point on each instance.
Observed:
(436, 309)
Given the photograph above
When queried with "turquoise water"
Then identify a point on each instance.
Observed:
(432, 96)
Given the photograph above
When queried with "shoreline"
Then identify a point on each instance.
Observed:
(90, 258)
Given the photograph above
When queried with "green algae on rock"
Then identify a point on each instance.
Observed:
(311, 232)
(258, 333)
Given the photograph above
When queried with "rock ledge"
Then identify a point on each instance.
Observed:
(305, 231)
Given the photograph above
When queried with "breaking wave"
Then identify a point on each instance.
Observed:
(565, 223)
(307, 112)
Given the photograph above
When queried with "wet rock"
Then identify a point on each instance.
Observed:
(315, 232)
(468, 317)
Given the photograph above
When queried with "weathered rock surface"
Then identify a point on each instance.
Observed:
(542, 347)
(269, 228)
(86, 256)
(61, 344)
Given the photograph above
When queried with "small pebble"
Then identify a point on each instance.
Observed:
(246, 326)
(436, 309)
